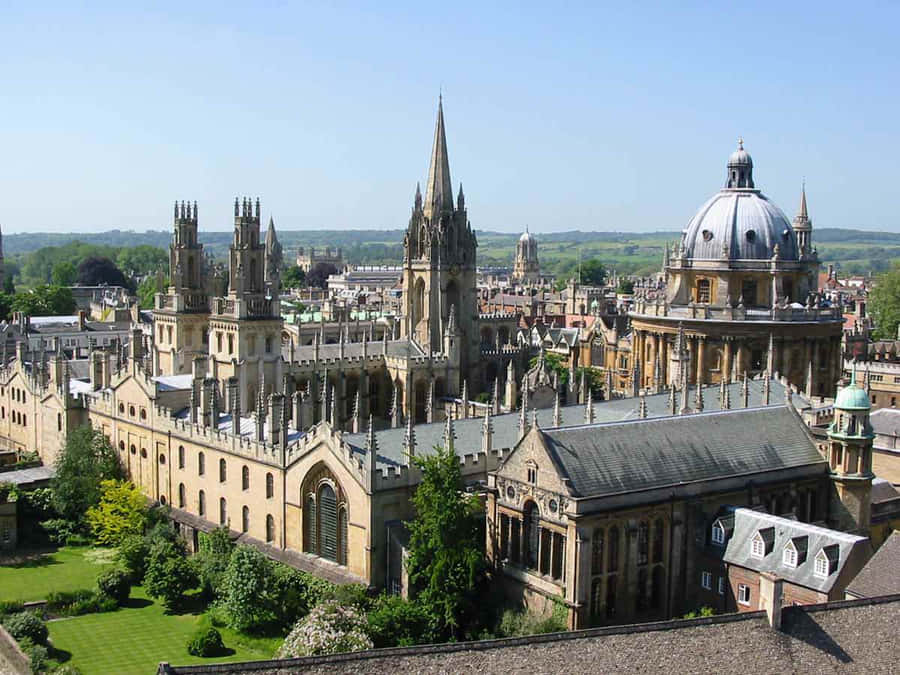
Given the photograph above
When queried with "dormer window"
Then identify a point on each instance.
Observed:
(821, 565)
(827, 561)
(758, 546)
(789, 556)
(718, 533)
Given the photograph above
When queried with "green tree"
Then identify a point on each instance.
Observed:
(625, 286)
(140, 260)
(85, 462)
(446, 559)
(592, 272)
(9, 286)
(293, 277)
(169, 574)
(246, 591)
(884, 303)
(147, 291)
(63, 274)
(556, 363)
(121, 511)
(45, 301)
(212, 560)
(330, 628)
(6, 302)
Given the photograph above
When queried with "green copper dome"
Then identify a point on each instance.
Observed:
(852, 397)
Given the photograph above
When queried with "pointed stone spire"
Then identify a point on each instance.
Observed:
(439, 189)
(767, 387)
(465, 398)
(745, 391)
(589, 408)
(395, 408)
(698, 396)
(582, 387)
(534, 419)
(429, 402)
(636, 378)
(409, 439)
(523, 413)
(451, 321)
(335, 422)
(449, 434)
(557, 412)
(371, 447)
(609, 384)
(726, 399)
(356, 423)
(642, 407)
(722, 390)
(770, 357)
(487, 432)
(673, 404)
(496, 400)
(657, 373)
(789, 394)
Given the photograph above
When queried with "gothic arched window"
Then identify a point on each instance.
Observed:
(309, 526)
(270, 529)
(328, 525)
(223, 511)
(532, 534)
(270, 486)
(245, 478)
(245, 519)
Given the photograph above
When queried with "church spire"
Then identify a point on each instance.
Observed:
(439, 190)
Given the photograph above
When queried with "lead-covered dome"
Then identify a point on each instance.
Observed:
(739, 222)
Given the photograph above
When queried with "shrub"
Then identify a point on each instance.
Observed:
(26, 625)
(121, 512)
(206, 642)
(59, 530)
(115, 584)
(397, 622)
(351, 594)
(169, 574)
(78, 539)
(212, 559)
(66, 669)
(328, 629)
(133, 553)
(8, 607)
(246, 591)
(76, 603)
(37, 654)
(518, 624)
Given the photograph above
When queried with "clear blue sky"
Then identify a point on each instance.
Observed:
(561, 116)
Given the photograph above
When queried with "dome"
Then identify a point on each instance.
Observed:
(739, 222)
(526, 237)
(852, 397)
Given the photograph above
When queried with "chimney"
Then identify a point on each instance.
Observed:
(771, 592)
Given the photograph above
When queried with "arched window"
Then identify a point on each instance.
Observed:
(328, 525)
(223, 471)
(181, 495)
(201, 503)
(270, 529)
(245, 478)
(596, 597)
(613, 548)
(245, 519)
(309, 523)
(342, 533)
(59, 421)
(658, 540)
(597, 552)
(702, 290)
(223, 511)
(122, 446)
(201, 464)
(133, 449)
(270, 486)
(532, 534)
(643, 542)
(180, 456)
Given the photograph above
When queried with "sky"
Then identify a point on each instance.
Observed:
(560, 116)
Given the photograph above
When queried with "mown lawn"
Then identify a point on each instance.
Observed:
(31, 576)
(138, 636)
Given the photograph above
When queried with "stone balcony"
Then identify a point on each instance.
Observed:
(788, 313)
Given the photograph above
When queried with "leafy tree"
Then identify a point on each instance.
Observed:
(44, 301)
(147, 291)
(446, 560)
(293, 277)
(592, 272)
(121, 511)
(625, 286)
(395, 621)
(85, 462)
(132, 556)
(9, 286)
(884, 303)
(64, 273)
(98, 270)
(6, 302)
(294, 593)
(115, 583)
(330, 628)
(246, 591)
(169, 574)
(206, 642)
(556, 364)
(140, 260)
(318, 275)
(213, 558)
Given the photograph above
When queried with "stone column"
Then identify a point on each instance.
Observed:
(740, 366)
(664, 359)
(701, 360)
(726, 359)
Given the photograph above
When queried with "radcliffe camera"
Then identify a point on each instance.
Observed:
(278, 394)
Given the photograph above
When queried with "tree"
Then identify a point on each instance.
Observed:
(445, 561)
(245, 590)
(169, 574)
(625, 286)
(556, 363)
(884, 303)
(592, 272)
(115, 583)
(147, 291)
(121, 511)
(6, 302)
(9, 286)
(330, 628)
(64, 273)
(44, 301)
(98, 270)
(293, 277)
(140, 260)
(318, 275)
(85, 462)
(212, 560)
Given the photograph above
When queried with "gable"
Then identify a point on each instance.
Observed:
(532, 453)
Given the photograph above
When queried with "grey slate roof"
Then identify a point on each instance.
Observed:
(605, 459)
(24, 477)
(881, 575)
(506, 426)
(886, 421)
(748, 522)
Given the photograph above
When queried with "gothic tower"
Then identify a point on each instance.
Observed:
(850, 439)
(527, 269)
(803, 226)
(245, 325)
(439, 262)
(180, 315)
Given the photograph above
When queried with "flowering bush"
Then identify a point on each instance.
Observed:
(330, 628)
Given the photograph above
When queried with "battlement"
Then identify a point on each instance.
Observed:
(246, 212)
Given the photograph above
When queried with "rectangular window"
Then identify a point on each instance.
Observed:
(703, 290)
(790, 557)
(821, 566)
(718, 534)
(743, 594)
(706, 580)
(721, 585)
(532, 475)
(758, 547)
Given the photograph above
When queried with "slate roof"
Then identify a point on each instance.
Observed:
(881, 575)
(885, 421)
(26, 477)
(748, 522)
(606, 459)
(506, 426)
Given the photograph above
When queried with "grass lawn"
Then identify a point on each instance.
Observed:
(32, 576)
(137, 637)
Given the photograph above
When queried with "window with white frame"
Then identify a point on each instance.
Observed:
(789, 556)
(718, 533)
(743, 594)
(758, 546)
(721, 585)
(706, 580)
(821, 565)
